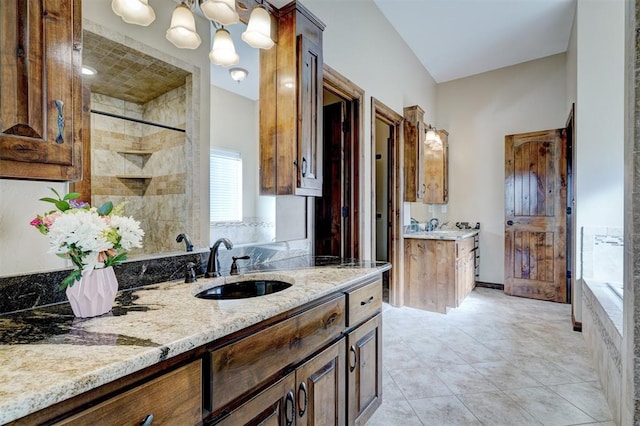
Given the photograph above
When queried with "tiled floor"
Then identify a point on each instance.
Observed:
(495, 360)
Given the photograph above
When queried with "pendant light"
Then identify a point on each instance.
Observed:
(222, 11)
(223, 52)
(182, 32)
(258, 33)
(433, 137)
(134, 11)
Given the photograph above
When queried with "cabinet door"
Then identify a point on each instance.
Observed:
(309, 158)
(413, 153)
(275, 406)
(321, 388)
(40, 89)
(364, 355)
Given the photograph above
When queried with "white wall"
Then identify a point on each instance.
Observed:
(360, 44)
(23, 249)
(600, 112)
(478, 112)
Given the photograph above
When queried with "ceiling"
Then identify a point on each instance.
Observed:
(458, 38)
(126, 73)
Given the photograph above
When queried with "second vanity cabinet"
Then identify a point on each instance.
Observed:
(439, 274)
(291, 106)
(40, 83)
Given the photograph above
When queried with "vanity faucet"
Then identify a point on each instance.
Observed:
(213, 265)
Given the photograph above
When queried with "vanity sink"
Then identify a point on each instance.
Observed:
(243, 289)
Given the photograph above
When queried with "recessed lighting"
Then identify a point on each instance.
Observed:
(87, 70)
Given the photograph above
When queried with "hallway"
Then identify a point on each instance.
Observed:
(495, 360)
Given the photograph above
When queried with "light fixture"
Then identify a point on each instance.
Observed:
(182, 32)
(433, 137)
(258, 33)
(87, 70)
(221, 11)
(134, 11)
(238, 74)
(223, 51)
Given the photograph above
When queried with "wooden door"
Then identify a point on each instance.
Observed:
(321, 388)
(535, 219)
(329, 230)
(275, 406)
(364, 394)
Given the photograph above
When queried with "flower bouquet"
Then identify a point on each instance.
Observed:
(92, 238)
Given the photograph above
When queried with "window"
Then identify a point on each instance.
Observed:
(225, 186)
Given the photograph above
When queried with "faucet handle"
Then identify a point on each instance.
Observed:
(234, 265)
(190, 273)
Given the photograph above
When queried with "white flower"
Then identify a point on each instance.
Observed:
(129, 231)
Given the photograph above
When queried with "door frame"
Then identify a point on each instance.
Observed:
(396, 158)
(341, 86)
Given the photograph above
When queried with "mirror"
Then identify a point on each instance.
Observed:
(144, 164)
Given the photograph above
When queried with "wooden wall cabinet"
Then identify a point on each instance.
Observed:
(291, 106)
(425, 166)
(41, 90)
(439, 274)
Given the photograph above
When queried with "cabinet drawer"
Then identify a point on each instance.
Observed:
(249, 362)
(174, 398)
(464, 247)
(364, 302)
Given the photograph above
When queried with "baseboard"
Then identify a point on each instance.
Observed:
(494, 286)
(577, 326)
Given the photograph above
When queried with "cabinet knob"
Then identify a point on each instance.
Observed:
(289, 413)
(302, 389)
(147, 421)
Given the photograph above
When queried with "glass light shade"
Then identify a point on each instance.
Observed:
(238, 74)
(134, 11)
(431, 135)
(182, 32)
(223, 52)
(258, 33)
(222, 11)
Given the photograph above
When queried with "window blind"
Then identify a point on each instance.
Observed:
(225, 187)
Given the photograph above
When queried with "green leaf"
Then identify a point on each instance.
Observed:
(71, 196)
(116, 260)
(49, 200)
(105, 209)
(55, 192)
(62, 205)
(71, 279)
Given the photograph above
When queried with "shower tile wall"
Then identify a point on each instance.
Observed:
(158, 202)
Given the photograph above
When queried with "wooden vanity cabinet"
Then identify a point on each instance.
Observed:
(439, 274)
(291, 106)
(41, 89)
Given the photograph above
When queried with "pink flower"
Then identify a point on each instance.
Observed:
(36, 222)
(50, 218)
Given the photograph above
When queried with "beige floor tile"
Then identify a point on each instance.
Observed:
(443, 411)
(390, 390)
(506, 375)
(394, 413)
(497, 409)
(545, 371)
(399, 357)
(464, 379)
(588, 397)
(419, 383)
(548, 408)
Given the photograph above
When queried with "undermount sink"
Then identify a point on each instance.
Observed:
(243, 289)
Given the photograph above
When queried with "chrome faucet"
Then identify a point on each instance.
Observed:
(213, 265)
(433, 224)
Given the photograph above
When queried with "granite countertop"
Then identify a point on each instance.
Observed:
(47, 355)
(443, 234)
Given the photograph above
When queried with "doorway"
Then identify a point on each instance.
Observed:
(386, 235)
(337, 221)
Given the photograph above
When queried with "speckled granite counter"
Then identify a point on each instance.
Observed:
(442, 234)
(47, 355)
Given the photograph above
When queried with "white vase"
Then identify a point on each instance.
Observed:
(94, 294)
